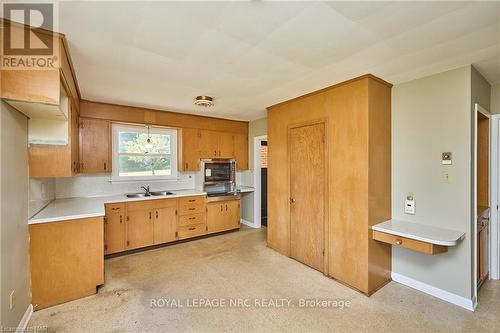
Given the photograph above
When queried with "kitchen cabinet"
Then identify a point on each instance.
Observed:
(164, 224)
(209, 144)
(483, 247)
(54, 161)
(189, 149)
(114, 228)
(192, 218)
(139, 228)
(223, 215)
(66, 260)
(241, 151)
(95, 146)
(226, 145)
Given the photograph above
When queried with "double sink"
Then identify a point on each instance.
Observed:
(149, 194)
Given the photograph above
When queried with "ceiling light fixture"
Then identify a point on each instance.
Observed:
(205, 101)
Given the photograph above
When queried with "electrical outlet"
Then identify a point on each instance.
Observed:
(446, 177)
(410, 204)
(12, 299)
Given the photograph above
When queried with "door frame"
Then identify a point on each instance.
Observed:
(326, 206)
(257, 198)
(477, 110)
(494, 196)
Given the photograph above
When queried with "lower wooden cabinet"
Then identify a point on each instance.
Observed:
(223, 215)
(164, 224)
(483, 251)
(66, 260)
(114, 228)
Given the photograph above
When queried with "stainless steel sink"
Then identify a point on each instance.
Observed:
(137, 195)
(158, 193)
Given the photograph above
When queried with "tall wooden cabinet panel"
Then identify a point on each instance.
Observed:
(95, 138)
(241, 151)
(190, 145)
(357, 118)
(114, 228)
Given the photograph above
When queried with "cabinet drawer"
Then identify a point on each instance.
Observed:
(191, 219)
(191, 201)
(191, 209)
(189, 231)
(408, 243)
(117, 208)
(151, 204)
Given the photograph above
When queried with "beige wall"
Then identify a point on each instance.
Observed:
(495, 98)
(430, 116)
(14, 215)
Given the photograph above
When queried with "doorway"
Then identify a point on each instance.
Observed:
(260, 181)
(307, 194)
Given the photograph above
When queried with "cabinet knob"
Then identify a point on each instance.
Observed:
(292, 200)
(399, 242)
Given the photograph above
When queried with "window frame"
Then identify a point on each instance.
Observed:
(115, 155)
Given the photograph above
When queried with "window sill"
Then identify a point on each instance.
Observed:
(144, 180)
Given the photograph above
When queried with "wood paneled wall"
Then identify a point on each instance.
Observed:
(132, 114)
(357, 114)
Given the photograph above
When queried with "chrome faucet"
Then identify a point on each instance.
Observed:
(147, 189)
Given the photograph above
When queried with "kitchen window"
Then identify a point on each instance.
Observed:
(137, 158)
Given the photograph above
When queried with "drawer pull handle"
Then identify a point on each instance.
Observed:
(192, 218)
(192, 208)
(192, 200)
(399, 242)
(192, 228)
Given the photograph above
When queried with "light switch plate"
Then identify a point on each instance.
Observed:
(410, 204)
(446, 158)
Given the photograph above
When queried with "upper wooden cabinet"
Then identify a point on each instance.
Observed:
(241, 151)
(95, 145)
(195, 144)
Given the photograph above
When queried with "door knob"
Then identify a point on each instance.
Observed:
(292, 200)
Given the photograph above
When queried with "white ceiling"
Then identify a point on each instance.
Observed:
(250, 55)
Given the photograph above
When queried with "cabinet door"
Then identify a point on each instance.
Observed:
(164, 225)
(75, 135)
(241, 151)
(139, 228)
(94, 145)
(114, 232)
(209, 142)
(232, 216)
(226, 145)
(190, 146)
(215, 216)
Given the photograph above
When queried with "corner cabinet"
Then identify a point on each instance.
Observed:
(223, 215)
(95, 145)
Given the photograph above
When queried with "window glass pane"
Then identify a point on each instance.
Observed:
(136, 143)
(136, 166)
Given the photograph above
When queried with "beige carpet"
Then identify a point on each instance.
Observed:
(239, 267)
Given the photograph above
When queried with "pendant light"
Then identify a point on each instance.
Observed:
(149, 144)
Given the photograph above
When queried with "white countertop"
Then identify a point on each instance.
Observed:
(420, 232)
(77, 208)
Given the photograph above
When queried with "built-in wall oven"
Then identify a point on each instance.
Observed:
(219, 176)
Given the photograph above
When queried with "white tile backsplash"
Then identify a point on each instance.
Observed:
(100, 185)
(42, 191)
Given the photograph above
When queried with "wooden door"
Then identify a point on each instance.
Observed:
(114, 229)
(209, 142)
(307, 194)
(94, 145)
(226, 145)
(190, 146)
(164, 225)
(241, 151)
(232, 216)
(139, 228)
(215, 216)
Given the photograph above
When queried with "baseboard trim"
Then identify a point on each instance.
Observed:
(248, 223)
(25, 320)
(463, 302)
